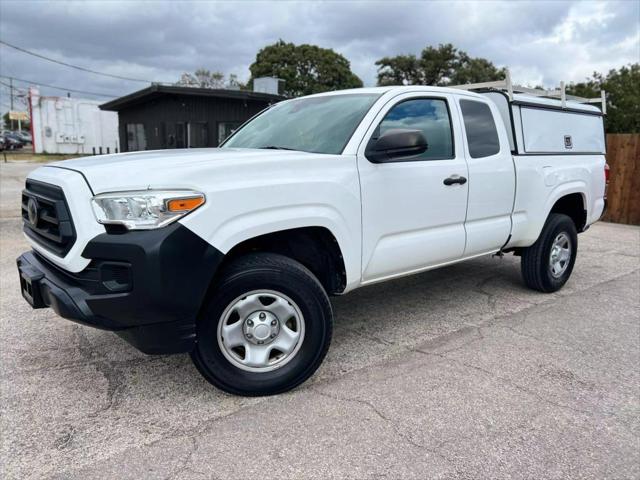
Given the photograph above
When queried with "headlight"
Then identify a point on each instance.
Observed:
(146, 209)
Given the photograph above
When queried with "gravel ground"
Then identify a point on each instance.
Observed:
(454, 373)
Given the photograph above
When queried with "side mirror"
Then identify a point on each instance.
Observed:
(396, 143)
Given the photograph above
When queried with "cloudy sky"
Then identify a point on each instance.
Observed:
(541, 42)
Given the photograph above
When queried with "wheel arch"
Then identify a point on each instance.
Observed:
(573, 205)
(315, 247)
(570, 198)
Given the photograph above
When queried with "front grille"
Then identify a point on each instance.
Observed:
(46, 218)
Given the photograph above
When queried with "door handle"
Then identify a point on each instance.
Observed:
(455, 179)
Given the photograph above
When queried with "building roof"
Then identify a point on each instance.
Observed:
(156, 91)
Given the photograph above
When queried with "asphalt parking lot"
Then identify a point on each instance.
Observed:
(454, 373)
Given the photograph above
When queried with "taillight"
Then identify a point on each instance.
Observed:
(606, 179)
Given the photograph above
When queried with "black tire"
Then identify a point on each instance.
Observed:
(276, 273)
(535, 260)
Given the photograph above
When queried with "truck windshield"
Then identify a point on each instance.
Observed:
(315, 124)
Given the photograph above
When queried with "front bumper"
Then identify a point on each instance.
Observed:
(147, 286)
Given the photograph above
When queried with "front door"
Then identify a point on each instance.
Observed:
(411, 218)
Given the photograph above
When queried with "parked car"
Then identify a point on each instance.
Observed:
(23, 136)
(3, 143)
(231, 254)
(12, 142)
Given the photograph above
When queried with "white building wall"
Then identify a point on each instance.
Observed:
(72, 126)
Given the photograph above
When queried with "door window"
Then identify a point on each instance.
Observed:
(225, 129)
(482, 135)
(136, 139)
(181, 135)
(429, 115)
(198, 135)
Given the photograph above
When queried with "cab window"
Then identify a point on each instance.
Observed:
(482, 135)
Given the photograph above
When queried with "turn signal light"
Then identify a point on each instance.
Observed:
(184, 204)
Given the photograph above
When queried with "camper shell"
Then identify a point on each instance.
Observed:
(537, 123)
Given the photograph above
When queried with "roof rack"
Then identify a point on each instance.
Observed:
(510, 88)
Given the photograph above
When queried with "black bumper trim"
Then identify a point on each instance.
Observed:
(171, 270)
(161, 338)
(43, 286)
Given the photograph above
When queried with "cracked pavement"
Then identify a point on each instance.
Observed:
(455, 373)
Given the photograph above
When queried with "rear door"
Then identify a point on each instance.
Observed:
(491, 176)
(411, 219)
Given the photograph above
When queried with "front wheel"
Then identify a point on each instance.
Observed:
(266, 329)
(548, 263)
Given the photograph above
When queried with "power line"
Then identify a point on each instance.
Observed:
(20, 90)
(60, 88)
(20, 49)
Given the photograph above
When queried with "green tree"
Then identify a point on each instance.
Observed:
(442, 65)
(623, 97)
(305, 69)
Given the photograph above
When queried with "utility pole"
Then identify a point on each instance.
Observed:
(11, 99)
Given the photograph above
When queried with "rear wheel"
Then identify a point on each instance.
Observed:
(266, 329)
(548, 263)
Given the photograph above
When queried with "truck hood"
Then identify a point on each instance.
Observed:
(172, 168)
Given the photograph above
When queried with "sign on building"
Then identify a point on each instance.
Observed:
(21, 116)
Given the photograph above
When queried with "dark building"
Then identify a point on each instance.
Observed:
(162, 116)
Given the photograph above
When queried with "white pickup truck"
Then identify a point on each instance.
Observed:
(231, 253)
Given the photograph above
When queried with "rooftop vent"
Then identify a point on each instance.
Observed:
(272, 85)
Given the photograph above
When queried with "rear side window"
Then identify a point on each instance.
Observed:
(429, 115)
(482, 136)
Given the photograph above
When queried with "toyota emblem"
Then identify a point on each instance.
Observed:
(32, 212)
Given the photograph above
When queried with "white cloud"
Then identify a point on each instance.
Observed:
(542, 42)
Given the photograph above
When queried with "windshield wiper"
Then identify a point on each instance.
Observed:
(276, 147)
